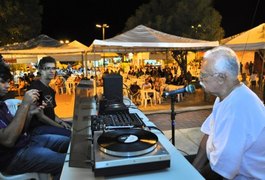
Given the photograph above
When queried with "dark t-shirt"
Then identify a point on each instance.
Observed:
(7, 154)
(134, 88)
(48, 97)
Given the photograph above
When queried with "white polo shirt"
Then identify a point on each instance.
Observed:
(236, 129)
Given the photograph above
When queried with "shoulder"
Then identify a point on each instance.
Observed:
(37, 84)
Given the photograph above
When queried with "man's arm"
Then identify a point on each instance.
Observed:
(201, 158)
(62, 123)
(10, 134)
(45, 119)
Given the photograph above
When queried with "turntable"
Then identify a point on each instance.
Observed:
(126, 151)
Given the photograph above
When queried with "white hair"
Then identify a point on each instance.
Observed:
(225, 60)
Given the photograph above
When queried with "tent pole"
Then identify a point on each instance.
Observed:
(85, 64)
(262, 69)
(167, 56)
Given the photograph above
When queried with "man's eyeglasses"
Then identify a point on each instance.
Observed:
(49, 68)
(205, 75)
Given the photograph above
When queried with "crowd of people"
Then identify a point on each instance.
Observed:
(169, 73)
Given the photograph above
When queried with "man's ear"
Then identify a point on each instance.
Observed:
(221, 77)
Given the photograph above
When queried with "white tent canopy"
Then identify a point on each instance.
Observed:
(145, 39)
(253, 39)
(42, 44)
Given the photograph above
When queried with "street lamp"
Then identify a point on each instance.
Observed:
(64, 41)
(103, 26)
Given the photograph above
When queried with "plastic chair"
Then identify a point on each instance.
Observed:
(25, 176)
(145, 98)
(12, 105)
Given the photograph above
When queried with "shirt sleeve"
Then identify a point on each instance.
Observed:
(205, 128)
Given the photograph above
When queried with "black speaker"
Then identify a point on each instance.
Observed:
(112, 88)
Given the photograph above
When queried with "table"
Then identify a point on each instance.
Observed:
(180, 168)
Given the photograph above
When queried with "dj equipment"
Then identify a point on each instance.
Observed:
(107, 106)
(126, 151)
(121, 145)
(113, 141)
(112, 87)
(189, 88)
(116, 120)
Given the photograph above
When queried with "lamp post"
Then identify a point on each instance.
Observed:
(64, 41)
(103, 27)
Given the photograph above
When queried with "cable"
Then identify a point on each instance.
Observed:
(251, 25)
(154, 127)
(182, 151)
(255, 12)
(78, 130)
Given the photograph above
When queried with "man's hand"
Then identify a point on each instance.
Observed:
(36, 109)
(30, 97)
(65, 125)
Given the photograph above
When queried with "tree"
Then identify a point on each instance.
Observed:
(187, 18)
(20, 20)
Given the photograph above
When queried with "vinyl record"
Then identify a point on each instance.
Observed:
(127, 142)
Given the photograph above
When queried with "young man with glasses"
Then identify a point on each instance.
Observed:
(233, 145)
(49, 123)
(20, 152)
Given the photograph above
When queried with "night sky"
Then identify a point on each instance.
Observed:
(75, 20)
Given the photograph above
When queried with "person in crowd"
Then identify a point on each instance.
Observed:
(77, 79)
(181, 79)
(58, 84)
(49, 123)
(241, 67)
(21, 85)
(260, 80)
(135, 92)
(19, 152)
(175, 80)
(233, 143)
(12, 86)
(244, 79)
(251, 67)
(188, 77)
(147, 84)
(253, 80)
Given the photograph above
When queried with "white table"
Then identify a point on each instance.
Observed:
(180, 168)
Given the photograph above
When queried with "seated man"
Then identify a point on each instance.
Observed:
(233, 143)
(135, 92)
(49, 122)
(19, 152)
